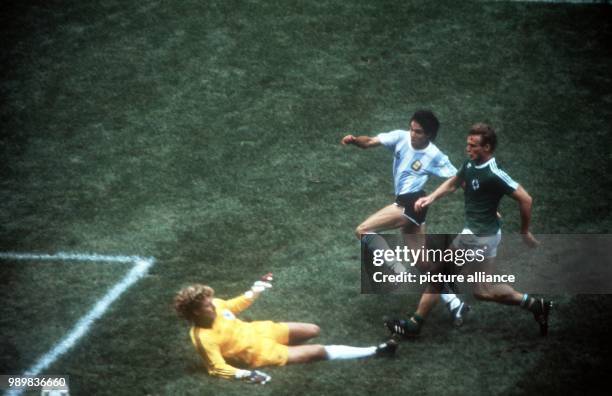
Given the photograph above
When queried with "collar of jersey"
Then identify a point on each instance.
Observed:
(485, 164)
(417, 150)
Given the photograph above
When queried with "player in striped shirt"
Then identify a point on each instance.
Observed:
(484, 186)
(415, 159)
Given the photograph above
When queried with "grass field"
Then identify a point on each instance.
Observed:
(206, 135)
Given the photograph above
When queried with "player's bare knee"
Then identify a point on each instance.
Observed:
(314, 331)
(360, 230)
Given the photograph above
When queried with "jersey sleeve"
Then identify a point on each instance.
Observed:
(505, 182)
(238, 304)
(442, 167)
(211, 354)
(390, 139)
(461, 172)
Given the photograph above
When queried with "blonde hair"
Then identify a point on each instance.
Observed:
(189, 299)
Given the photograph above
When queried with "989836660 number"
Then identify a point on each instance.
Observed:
(32, 382)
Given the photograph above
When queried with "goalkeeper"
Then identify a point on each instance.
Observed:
(219, 336)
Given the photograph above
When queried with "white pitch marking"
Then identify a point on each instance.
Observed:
(62, 256)
(141, 266)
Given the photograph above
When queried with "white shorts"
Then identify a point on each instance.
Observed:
(488, 243)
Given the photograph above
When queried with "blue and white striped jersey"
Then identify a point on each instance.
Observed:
(411, 167)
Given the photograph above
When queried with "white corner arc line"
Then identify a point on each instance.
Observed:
(140, 268)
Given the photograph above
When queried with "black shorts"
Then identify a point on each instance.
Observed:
(407, 201)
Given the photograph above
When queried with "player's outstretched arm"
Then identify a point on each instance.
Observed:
(261, 285)
(240, 303)
(525, 201)
(360, 141)
(449, 186)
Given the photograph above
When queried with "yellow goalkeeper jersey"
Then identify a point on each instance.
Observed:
(251, 343)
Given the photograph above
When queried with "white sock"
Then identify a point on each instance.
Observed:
(336, 352)
(451, 300)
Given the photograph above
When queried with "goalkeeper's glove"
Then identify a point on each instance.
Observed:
(260, 286)
(254, 377)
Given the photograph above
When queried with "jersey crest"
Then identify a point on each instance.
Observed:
(227, 314)
(416, 165)
(475, 184)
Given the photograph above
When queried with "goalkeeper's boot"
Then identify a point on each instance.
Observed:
(541, 310)
(405, 328)
(387, 348)
(459, 313)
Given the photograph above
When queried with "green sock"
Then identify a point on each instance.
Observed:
(416, 320)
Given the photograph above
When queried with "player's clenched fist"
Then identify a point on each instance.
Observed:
(267, 277)
(422, 202)
(348, 139)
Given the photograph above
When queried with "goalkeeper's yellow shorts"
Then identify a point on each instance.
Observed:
(271, 349)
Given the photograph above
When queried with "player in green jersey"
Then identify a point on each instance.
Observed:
(484, 185)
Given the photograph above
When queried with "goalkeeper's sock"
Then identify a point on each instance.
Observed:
(340, 352)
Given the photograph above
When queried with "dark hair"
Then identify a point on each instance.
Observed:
(486, 133)
(428, 121)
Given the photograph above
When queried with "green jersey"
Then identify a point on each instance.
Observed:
(485, 185)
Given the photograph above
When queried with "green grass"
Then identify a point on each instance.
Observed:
(206, 134)
(42, 301)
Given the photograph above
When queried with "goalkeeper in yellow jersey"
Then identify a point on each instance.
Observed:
(218, 335)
